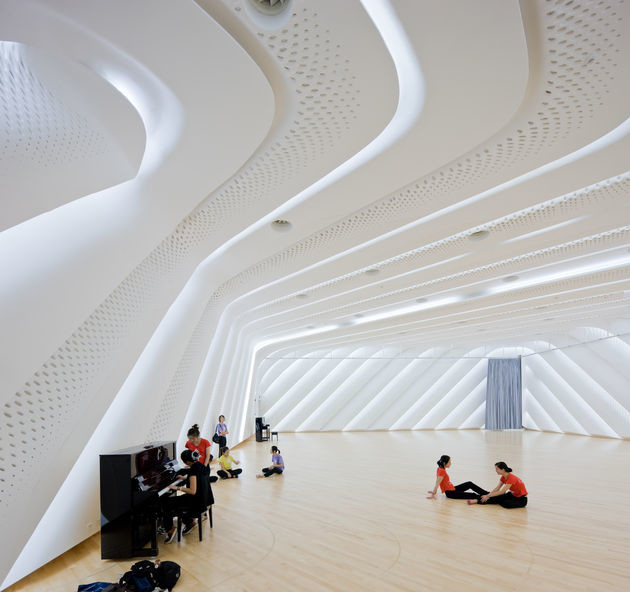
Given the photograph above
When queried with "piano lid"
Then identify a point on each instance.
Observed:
(150, 458)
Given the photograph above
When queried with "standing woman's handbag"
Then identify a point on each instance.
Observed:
(215, 439)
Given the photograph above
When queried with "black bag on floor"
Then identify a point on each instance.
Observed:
(145, 570)
(168, 573)
(128, 581)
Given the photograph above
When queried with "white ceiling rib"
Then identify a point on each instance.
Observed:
(171, 295)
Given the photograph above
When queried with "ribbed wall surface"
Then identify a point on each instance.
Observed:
(580, 388)
(453, 185)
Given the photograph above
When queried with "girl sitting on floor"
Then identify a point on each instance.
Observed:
(509, 493)
(277, 464)
(448, 489)
(226, 460)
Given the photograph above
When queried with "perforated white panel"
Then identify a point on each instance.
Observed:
(209, 319)
(55, 147)
(38, 129)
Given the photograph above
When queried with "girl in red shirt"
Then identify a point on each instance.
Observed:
(448, 489)
(509, 493)
(201, 445)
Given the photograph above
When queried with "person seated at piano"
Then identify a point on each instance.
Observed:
(182, 474)
(197, 496)
(226, 460)
(201, 445)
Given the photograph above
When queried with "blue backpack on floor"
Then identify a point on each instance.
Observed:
(141, 578)
(93, 587)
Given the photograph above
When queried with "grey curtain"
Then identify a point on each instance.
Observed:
(504, 409)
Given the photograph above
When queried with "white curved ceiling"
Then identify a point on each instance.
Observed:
(455, 184)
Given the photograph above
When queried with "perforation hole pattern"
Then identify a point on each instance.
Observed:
(37, 130)
(53, 397)
(327, 100)
(192, 359)
(610, 239)
(581, 42)
(606, 194)
(551, 119)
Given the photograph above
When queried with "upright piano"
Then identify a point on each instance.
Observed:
(132, 481)
(262, 430)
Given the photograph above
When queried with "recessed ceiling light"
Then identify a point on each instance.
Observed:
(478, 235)
(372, 271)
(302, 295)
(510, 278)
(270, 7)
(310, 327)
(281, 225)
(421, 300)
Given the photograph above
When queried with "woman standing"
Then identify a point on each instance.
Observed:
(220, 433)
(226, 460)
(277, 464)
(201, 445)
(448, 489)
(509, 493)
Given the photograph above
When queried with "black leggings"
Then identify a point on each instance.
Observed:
(172, 504)
(507, 500)
(271, 470)
(234, 472)
(461, 491)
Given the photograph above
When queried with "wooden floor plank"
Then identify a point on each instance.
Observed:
(350, 514)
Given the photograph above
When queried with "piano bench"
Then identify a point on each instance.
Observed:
(198, 516)
(274, 434)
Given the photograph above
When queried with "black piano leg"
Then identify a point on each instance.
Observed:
(154, 543)
(153, 550)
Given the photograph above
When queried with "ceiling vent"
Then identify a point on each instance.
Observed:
(478, 235)
(270, 7)
(281, 225)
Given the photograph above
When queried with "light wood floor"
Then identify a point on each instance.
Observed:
(350, 514)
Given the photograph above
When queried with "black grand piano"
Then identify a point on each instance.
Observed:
(132, 481)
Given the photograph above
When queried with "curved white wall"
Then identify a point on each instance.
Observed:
(390, 134)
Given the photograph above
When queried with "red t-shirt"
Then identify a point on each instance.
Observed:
(201, 449)
(518, 487)
(445, 484)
